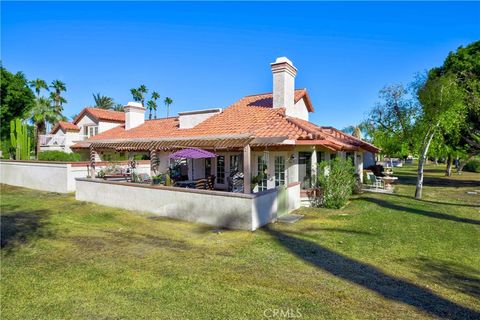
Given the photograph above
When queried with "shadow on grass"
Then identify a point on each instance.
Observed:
(434, 202)
(346, 231)
(19, 227)
(431, 214)
(437, 181)
(372, 278)
(448, 274)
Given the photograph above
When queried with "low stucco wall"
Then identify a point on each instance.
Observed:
(293, 194)
(49, 175)
(218, 208)
(44, 176)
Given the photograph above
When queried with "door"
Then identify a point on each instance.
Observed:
(305, 169)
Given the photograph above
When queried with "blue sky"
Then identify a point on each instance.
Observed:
(211, 54)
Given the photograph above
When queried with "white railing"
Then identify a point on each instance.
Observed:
(51, 140)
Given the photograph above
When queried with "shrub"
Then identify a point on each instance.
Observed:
(58, 156)
(472, 166)
(337, 180)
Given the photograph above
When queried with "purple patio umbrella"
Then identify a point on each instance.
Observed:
(192, 153)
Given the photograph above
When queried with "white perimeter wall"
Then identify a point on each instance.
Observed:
(48, 176)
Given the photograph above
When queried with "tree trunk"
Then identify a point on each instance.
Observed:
(37, 139)
(421, 164)
(436, 161)
(464, 163)
(448, 171)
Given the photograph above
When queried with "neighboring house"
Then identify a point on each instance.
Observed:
(90, 122)
(263, 133)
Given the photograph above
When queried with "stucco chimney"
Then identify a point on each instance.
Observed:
(134, 115)
(283, 83)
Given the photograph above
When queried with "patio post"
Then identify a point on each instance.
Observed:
(93, 155)
(153, 162)
(247, 172)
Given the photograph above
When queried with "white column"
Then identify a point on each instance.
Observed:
(247, 170)
(359, 164)
(314, 167)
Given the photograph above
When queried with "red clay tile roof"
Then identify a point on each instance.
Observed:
(252, 115)
(102, 114)
(65, 126)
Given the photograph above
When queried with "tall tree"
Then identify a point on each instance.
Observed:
(151, 105)
(465, 65)
(143, 91)
(118, 107)
(103, 102)
(443, 111)
(393, 121)
(16, 100)
(358, 131)
(58, 89)
(136, 95)
(38, 84)
(41, 113)
(168, 101)
(155, 97)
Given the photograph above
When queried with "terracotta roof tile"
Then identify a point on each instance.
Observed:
(65, 126)
(251, 115)
(102, 114)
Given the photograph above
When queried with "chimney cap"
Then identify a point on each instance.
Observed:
(132, 104)
(283, 59)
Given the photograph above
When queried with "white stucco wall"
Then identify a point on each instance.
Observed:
(293, 194)
(299, 110)
(44, 176)
(237, 211)
(48, 176)
(192, 118)
(104, 126)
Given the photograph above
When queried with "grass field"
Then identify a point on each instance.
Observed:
(381, 257)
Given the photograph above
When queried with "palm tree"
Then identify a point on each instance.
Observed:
(103, 102)
(42, 112)
(118, 107)
(358, 131)
(168, 102)
(143, 91)
(38, 85)
(152, 105)
(58, 87)
(137, 96)
(155, 96)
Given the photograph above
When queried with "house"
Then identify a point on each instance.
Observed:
(267, 138)
(90, 122)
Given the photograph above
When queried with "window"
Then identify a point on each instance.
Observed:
(279, 171)
(92, 131)
(262, 173)
(234, 164)
(208, 167)
(333, 156)
(221, 169)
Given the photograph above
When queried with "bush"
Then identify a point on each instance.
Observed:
(472, 166)
(337, 180)
(58, 156)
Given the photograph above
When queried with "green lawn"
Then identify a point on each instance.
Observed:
(381, 257)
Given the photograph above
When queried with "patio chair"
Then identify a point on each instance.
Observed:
(375, 181)
(201, 184)
(210, 182)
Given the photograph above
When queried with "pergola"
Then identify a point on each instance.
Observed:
(215, 143)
